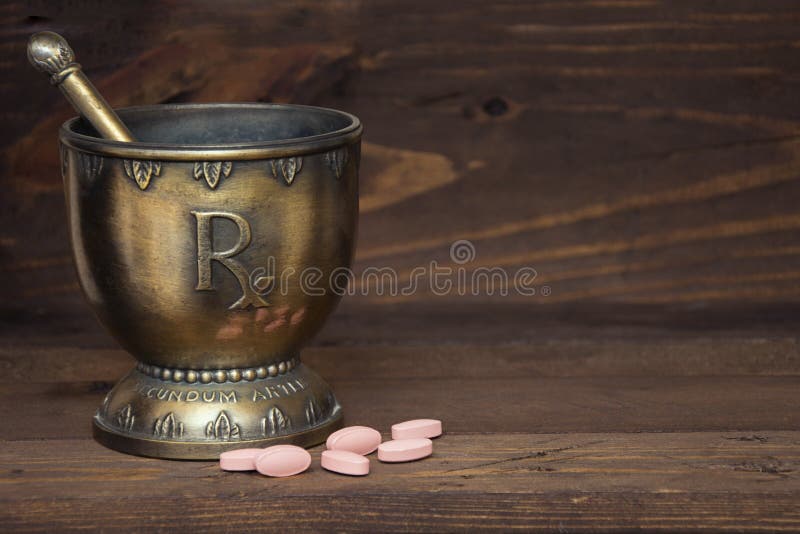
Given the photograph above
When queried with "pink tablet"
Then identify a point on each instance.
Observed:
(357, 439)
(239, 459)
(283, 461)
(344, 462)
(405, 450)
(417, 428)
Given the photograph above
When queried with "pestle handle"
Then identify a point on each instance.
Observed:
(51, 54)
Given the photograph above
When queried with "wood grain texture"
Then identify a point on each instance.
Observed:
(603, 404)
(582, 449)
(643, 156)
(430, 361)
(638, 152)
(499, 481)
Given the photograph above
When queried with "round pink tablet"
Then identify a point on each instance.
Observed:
(417, 428)
(239, 459)
(345, 462)
(283, 461)
(405, 450)
(358, 439)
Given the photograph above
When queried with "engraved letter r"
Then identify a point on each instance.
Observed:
(206, 254)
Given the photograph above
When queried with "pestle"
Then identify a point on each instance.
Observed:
(51, 54)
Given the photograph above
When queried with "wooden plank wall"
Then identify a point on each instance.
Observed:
(635, 151)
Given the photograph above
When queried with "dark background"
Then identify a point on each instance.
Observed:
(642, 155)
(634, 152)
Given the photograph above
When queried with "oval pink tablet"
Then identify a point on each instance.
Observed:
(344, 462)
(283, 461)
(239, 459)
(417, 428)
(358, 439)
(405, 450)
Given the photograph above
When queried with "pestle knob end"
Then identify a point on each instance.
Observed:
(50, 53)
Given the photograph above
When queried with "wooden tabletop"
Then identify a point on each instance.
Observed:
(642, 156)
(547, 425)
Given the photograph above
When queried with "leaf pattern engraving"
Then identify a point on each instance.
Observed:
(222, 429)
(331, 406)
(141, 171)
(91, 165)
(275, 423)
(312, 412)
(125, 417)
(286, 168)
(104, 407)
(337, 161)
(168, 427)
(212, 171)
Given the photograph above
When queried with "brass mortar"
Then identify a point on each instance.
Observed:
(191, 246)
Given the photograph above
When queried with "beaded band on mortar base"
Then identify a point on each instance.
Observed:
(206, 376)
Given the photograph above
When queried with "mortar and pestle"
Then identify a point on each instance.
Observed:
(206, 239)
